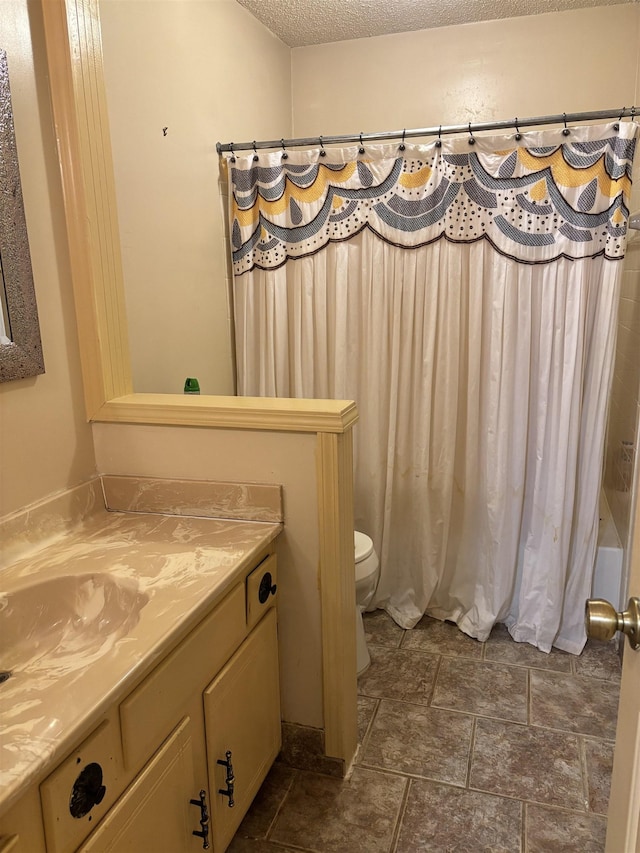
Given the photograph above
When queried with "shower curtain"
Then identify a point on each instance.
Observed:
(465, 295)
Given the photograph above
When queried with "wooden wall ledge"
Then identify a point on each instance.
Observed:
(260, 413)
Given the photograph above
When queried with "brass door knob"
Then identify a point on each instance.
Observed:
(602, 621)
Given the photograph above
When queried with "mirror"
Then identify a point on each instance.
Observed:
(20, 345)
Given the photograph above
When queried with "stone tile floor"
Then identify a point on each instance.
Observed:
(465, 747)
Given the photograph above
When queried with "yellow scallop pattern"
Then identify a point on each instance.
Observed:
(412, 180)
(538, 192)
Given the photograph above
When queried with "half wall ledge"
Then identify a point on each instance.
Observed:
(257, 413)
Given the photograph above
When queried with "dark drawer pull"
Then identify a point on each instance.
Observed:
(230, 780)
(266, 588)
(203, 832)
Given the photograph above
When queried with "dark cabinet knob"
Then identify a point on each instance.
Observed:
(87, 792)
(267, 588)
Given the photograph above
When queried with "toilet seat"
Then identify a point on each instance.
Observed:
(363, 545)
(366, 561)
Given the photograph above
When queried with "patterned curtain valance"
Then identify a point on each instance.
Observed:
(549, 197)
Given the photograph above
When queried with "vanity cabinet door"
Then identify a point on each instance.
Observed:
(242, 719)
(154, 813)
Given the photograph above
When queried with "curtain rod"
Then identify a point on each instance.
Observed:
(470, 127)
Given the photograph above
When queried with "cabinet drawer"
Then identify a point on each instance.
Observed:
(153, 814)
(83, 788)
(154, 708)
(261, 590)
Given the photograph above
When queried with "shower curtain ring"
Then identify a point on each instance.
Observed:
(323, 153)
(402, 146)
(439, 139)
(471, 139)
(255, 153)
(616, 126)
(361, 149)
(518, 134)
(566, 130)
(284, 150)
(233, 153)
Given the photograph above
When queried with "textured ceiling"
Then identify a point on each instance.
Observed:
(303, 22)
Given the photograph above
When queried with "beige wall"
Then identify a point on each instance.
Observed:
(208, 72)
(263, 457)
(562, 61)
(45, 445)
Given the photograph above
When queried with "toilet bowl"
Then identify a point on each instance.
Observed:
(367, 573)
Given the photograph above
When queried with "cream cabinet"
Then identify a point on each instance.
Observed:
(173, 767)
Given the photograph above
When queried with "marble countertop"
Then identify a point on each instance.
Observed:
(174, 568)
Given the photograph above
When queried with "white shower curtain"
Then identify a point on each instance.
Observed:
(466, 299)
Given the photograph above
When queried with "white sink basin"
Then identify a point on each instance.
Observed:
(66, 621)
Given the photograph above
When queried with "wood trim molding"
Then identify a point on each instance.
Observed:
(74, 53)
(266, 413)
(337, 594)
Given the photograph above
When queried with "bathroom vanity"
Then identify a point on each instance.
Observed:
(157, 738)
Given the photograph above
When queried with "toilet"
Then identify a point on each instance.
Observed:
(367, 573)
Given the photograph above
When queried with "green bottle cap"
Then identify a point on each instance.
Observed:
(191, 386)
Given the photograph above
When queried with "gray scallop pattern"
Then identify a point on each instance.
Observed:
(294, 212)
(508, 166)
(533, 207)
(364, 173)
(587, 197)
(576, 234)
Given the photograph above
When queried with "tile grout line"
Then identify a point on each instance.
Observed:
(472, 714)
(472, 746)
(434, 682)
(395, 838)
(274, 820)
(402, 774)
(585, 774)
(476, 715)
(481, 659)
(543, 804)
(367, 732)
